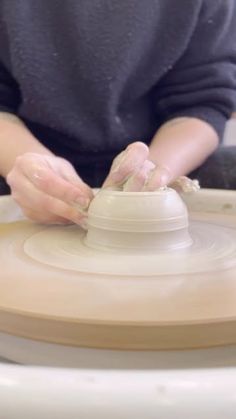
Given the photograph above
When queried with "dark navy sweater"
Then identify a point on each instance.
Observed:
(89, 77)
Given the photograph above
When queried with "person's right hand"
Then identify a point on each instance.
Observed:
(48, 189)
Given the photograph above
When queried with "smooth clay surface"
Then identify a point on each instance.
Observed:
(61, 289)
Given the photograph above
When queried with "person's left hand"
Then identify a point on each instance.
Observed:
(133, 171)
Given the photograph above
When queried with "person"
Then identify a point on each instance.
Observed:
(110, 93)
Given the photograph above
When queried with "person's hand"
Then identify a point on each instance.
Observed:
(133, 171)
(48, 189)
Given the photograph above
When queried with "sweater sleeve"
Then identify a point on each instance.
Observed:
(10, 96)
(202, 84)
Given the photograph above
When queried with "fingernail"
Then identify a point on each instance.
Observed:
(82, 202)
(164, 179)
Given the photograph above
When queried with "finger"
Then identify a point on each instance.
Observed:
(26, 195)
(43, 218)
(127, 163)
(52, 184)
(51, 219)
(67, 171)
(160, 177)
(138, 180)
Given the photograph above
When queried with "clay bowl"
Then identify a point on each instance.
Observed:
(138, 220)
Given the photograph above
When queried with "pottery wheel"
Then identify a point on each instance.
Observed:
(57, 288)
